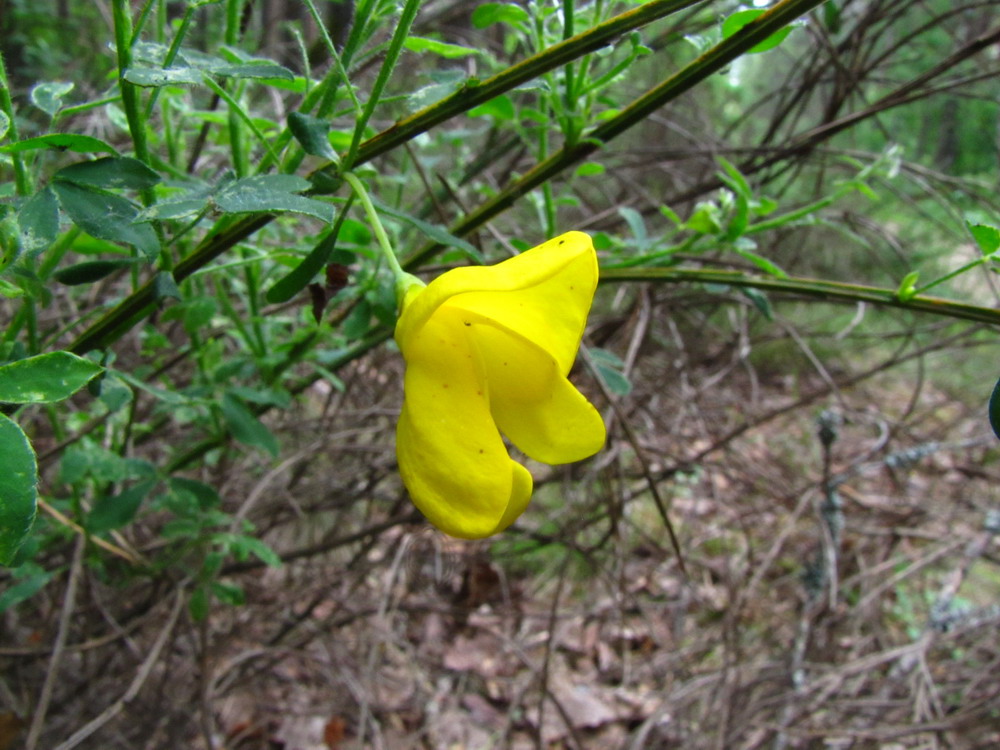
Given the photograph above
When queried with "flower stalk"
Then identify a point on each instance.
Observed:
(404, 281)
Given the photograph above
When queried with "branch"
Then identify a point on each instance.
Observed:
(816, 288)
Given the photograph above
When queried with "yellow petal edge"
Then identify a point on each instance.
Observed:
(487, 350)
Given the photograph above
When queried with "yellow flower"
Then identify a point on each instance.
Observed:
(487, 351)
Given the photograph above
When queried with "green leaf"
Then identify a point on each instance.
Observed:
(616, 383)
(740, 218)
(245, 427)
(357, 323)
(198, 604)
(48, 96)
(435, 232)
(670, 214)
(88, 460)
(488, 14)
(759, 300)
(197, 313)
(85, 459)
(446, 82)
(173, 209)
(204, 494)
(313, 134)
(38, 221)
(90, 271)
(106, 216)
(765, 265)
(268, 396)
(45, 378)
(190, 65)
(358, 234)
(995, 409)
(987, 237)
(228, 593)
(114, 511)
(10, 246)
(163, 394)
(636, 225)
(831, 16)
(741, 18)
(10, 291)
(114, 394)
(165, 287)
(142, 75)
(763, 206)
(295, 280)
(73, 465)
(83, 144)
(4, 123)
(442, 49)
(907, 288)
(18, 483)
(734, 178)
(267, 70)
(500, 107)
(243, 546)
(271, 192)
(110, 172)
(589, 169)
(608, 367)
(705, 219)
(31, 578)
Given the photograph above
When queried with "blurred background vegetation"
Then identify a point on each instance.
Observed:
(790, 538)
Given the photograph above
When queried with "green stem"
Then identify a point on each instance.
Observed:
(710, 62)
(140, 22)
(31, 323)
(406, 19)
(359, 29)
(132, 104)
(472, 95)
(682, 81)
(237, 111)
(172, 52)
(22, 183)
(238, 154)
(68, 112)
(15, 325)
(957, 272)
(817, 288)
(121, 11)
(404, 280)
(570, 94)
(548, 199)
(56, 252)
(234, 9)
(338, 64)
(790, 216)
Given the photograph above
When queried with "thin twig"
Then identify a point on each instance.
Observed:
(66, 614)
(137, 682)
(633, 439)
(131, 555)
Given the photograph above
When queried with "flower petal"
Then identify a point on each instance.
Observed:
(543, 294)
(519, 496)
(532, 402)
(451, 456)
